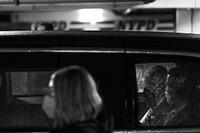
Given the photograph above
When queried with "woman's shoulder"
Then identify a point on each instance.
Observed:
(83, 127)
(188, 116)
(68, 129)
(103, 123)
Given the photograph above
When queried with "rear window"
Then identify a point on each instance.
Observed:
(26, 79)
(168, 92)
(30, 83)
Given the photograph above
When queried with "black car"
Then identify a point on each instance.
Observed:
(118, 60)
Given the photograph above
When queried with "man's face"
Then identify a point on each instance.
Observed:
(172, 84)
(155, 83)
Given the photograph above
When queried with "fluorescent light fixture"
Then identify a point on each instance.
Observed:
(127, 11)
(90, 29)
(91, 15)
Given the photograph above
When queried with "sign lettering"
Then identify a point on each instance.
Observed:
(136, 25)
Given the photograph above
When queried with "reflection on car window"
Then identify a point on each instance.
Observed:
(167, 95)
(30, 83)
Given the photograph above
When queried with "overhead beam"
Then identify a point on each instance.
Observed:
(171, 4)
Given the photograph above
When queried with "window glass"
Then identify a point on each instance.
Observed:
(142, 71)
(168, 94)
(30, 83)
(27, 77)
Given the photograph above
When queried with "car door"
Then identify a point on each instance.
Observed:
(28, 59)
(170, 52)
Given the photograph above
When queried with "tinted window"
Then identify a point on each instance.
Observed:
(30, 83)
(26, 77)
(167, 91)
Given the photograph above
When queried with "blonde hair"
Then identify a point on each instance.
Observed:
(76, 95)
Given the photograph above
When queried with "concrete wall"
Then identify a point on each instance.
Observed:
(188, 21)
(184, 20)
(196, 21)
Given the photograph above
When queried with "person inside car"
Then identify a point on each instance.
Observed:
(77, 105)
(155, 82)
(181, 93)
(157, 105)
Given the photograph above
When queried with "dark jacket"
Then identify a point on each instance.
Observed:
(102, 124)
(188, 116)
(147, 102)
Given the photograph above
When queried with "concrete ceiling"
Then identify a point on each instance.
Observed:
(61, 5)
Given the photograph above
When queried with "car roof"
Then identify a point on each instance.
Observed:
(123, 40)
(100, 33)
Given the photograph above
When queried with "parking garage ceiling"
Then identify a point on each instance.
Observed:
(26, 5)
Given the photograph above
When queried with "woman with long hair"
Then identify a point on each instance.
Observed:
(78, 105)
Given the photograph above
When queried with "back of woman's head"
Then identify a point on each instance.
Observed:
(76, 95)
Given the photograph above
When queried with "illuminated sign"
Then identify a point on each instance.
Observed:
(148, 20)
(98, 19)
(146, 24)
(137, 24)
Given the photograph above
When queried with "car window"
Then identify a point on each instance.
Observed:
(167, 91)
(30, 83)
(26, 77)
(123, 72)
